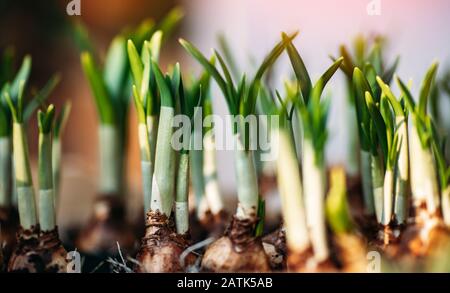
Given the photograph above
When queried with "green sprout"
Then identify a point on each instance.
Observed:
(424, 183)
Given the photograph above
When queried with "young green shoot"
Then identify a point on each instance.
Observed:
(6, 120)
(441, 90)
(241, 102)
(206, 169)
(204, 165)
(290, 186)
(390, 157)
(109, 137)
(111, 88)
(313, 114)
(47, 213)
(145, 93)
(372, 132)
(424, 185)
(438, 146)
(402, 170)
(162, 197)
(188, 99)
(314, 117)
(364, 51)
(23, 178)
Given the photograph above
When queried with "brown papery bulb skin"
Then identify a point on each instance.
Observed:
(237, 251)
(162, 247)
(26, 258)
(275, 247)
(52, 252)
(107, 226)
(38, 253)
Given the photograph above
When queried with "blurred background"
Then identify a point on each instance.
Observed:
(417, 30)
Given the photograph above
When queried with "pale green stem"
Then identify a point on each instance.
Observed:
(314, 191)
(198, 182)
(164, 176)
(377, 172)
(424, 185)
(290, 186)
(24, 181)
(247, 182)
(388, 197)
(152, 128)
(45, 161)
(110, 160)
(366, 174)
(268, 167)
(402, 172)
(56, 164)
(146, 165)
(181, 201)
(212, 190)
(47, 214)
(14, 196)
(446, 205)
(5, 171)
(296, 126)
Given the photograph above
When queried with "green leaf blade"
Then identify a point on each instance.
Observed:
(99, 90)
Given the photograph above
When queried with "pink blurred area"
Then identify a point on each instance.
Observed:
(417, 30)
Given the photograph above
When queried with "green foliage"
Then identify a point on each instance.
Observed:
(314, 120)
(22, 75)
(40, 98)
(22, 109)
(62, 118)
(143, 73)
(421, 119)
(6, 66)
(367, 51)
(362, 68)
(379, 125)
(438, 146)
(46, 119)
(10, 85)
(241, 100)
(164, 87)
(395, 103)
(112, 85)
(300, 70)
(372, 129)
(104, 104)
(313, 111)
